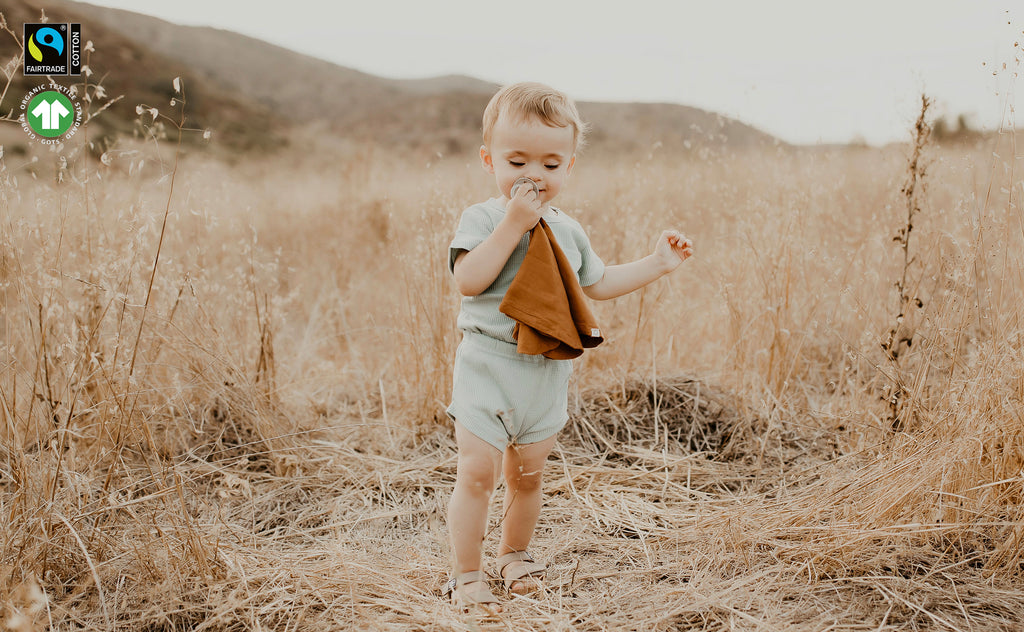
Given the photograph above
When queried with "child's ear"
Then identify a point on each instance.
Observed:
(572, 161)
(486, 160)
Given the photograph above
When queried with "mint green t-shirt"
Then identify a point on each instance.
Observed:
(480, 313)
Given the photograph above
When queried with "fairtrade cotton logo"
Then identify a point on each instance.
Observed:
(53, 49)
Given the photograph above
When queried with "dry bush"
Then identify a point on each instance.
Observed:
(258, 442)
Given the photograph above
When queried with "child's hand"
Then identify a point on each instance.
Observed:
(524, 208)
(673, 248)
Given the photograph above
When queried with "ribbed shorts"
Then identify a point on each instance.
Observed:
(503, 396)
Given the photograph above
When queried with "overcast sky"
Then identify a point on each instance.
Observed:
(805, 70)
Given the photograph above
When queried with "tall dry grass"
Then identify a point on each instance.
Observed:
(247, 432)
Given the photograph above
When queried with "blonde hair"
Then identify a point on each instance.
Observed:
(523, 101)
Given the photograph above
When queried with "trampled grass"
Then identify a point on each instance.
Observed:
(263, 446)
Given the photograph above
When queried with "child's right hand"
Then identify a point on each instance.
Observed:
(524, 209)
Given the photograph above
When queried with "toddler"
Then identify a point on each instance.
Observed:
(508, 407)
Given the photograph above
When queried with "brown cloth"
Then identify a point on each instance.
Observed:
(546, 301)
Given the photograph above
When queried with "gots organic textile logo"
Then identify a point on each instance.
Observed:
(50, 115)
(53, 49)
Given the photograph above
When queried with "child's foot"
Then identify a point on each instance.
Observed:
(520, 574)
(469, 592)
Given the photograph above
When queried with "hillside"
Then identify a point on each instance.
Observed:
(245, 90)
(140, 75)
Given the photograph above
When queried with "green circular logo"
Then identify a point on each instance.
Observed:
(50, 114)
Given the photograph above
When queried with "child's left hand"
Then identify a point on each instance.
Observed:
(673, 248)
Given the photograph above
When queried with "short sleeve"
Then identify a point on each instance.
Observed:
(474, 226)
(591, 266)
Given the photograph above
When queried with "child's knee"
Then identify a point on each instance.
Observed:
(477, 474)
(525, 481)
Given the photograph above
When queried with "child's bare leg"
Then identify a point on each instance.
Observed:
(523, 467)
(477, 474)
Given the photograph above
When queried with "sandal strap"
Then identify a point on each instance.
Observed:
(529, 567)
(514, 556)
(479, 596)
(465, 578)
(470, 577)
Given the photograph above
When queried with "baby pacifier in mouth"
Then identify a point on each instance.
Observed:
(524, 181)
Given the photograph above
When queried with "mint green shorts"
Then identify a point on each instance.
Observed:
(506, 397)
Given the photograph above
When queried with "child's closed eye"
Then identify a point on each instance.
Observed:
(552, 167)
(516, 163)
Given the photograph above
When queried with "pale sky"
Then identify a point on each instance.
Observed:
(804, 70)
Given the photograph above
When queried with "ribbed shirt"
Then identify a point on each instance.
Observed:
(480, 313)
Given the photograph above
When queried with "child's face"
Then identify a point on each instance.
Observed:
(532, 149)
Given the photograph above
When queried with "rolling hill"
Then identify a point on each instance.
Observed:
(245, 89)
(132, 74)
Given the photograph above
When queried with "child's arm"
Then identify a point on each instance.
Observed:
(476, 269)
(672, 249)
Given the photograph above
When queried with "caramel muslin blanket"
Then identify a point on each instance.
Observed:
(546, 301)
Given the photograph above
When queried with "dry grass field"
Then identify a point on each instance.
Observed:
(222, 392)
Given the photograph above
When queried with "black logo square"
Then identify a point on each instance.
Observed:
(53, 49)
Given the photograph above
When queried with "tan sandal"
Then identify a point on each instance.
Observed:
(468, 597)
(528, 573)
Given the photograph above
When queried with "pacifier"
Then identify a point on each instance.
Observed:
(522, 182)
